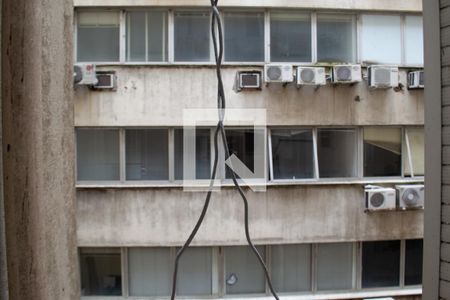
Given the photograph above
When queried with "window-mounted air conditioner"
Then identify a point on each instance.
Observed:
(382, 77)
(283, 73)
(380, 198)
(84, 74)
(248, 80)
(410, 196)
(416, 80)
(106, 80)
(311, 76)
(346, 74)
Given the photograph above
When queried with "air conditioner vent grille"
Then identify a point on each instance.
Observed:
(382, 76)
(274, 73)
(343, 73)
(307, 75)
(377, 199)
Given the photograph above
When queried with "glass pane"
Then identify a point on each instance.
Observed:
(413, 262)
(147, 154)
(290, 37)
(382, 151)
(291, 268)
(292, 153)
(98, 154)
(156, 23)
(414, 40)
(202, 154)
(157, 36)
(381, 39)
(136, 36)
(417, 149)
(98, 36)
(191, 36)
(241, 142)
(101, 273)
(334, 266)
(380, 264)
(244, 274)
(149, 271)
(336, 38)
(244, 36)
(195, 272)
(336, 150)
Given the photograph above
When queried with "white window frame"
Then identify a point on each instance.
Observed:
(126, 30)
(121, 37)
(266, 11)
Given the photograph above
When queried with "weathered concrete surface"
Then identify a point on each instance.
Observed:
(3, 271)
(382, 5)
(38, 146)
(156, 96)
(290, 214)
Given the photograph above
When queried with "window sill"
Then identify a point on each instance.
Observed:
(228, 183)
(317, 296)
(225, 64)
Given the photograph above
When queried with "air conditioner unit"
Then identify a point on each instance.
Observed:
(346, 74)
(416, 80)
(283, 73)
(380, 198)
(84, 74)
(106, 80)
(382, 77)
(249, 80)
(410, 196)
(311, 76)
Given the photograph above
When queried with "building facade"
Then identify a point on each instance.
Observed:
(325, 145)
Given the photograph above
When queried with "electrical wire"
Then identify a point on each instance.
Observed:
(217, 38)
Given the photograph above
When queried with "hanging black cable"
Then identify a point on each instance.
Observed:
(217, 38)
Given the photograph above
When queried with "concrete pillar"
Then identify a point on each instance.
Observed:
(38, 150)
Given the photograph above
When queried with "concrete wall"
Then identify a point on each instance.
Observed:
(386, 5)
(38, 150)
(149, 96)
(289, 214)
(445, 210)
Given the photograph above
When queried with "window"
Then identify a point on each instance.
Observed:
(380, 264)
(291, 267)
(242, 143)
(146, 36)
(416, 147)
(290, 37)
(337, 152)
(335, 266)
(292, 153)
(98, 154)
(382, 151)
(101, 273)
(244, 274)
(244, 36)
(195, 272)
(202, 154)
(192, 36)
(98, 36)
(149, 271)
(336, 38)
(413, 262)
(413, 40)
(147, 154)
(381, 39)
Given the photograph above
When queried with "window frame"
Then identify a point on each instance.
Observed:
(269, 176)
(218, 276)
(126, 29)
(266, 12)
